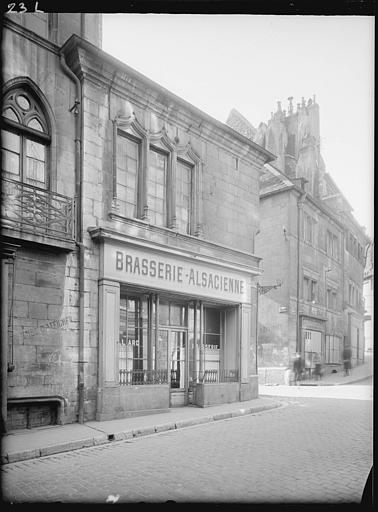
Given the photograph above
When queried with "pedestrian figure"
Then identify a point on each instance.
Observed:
(297, 368)
(318, 366)
(347, 356)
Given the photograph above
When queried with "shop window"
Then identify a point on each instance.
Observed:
(127, 174)
(312, 346)
(212, 341)
(172, 314)
(25, 139)
(133, 335)
(142, 356)
(332, 351)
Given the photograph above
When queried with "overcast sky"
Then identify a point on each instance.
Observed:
(249, 62)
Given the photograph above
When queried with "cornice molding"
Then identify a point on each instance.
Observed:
(233, 256)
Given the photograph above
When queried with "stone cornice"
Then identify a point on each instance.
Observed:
(115, 74)
(231, 260)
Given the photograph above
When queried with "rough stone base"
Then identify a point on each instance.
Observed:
(249, 390)
(206, 394)
(118, 402)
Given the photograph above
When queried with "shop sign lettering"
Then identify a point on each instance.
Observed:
(193, 275)
(130, 342)
(136, 266)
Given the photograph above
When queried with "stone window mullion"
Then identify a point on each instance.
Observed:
(143, 180)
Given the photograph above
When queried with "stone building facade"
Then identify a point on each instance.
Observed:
(129, 221)
(312, 246)
(369, 299)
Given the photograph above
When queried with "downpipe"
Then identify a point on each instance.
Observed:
(77, 110)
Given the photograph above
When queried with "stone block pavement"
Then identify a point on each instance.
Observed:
(309, 451)
(26, 444)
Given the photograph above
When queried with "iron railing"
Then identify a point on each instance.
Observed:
(142, 377)
(38, 211)
(211, 376)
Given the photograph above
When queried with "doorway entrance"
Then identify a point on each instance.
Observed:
(176, 340)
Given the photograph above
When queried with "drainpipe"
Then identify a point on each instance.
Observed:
(300, 202)
(77, 109)
(4, 343)
(7, 257)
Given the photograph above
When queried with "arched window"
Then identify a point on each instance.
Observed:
(25, 139)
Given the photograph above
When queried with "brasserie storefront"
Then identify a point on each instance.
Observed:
(175, 328)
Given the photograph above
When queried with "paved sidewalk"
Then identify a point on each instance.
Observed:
(333, 386)
(357, 374)
(29, 444)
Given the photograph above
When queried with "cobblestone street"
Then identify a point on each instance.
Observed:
(310, 450)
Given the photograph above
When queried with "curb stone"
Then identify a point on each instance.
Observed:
(129, 434)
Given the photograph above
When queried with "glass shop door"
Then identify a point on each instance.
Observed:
(178, 365)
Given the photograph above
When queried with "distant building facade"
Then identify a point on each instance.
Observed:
(369, 298)
(129, 220)
(311, 244)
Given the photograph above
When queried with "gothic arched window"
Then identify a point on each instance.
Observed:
(25, 138)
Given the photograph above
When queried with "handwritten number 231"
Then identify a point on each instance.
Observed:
(21, 8)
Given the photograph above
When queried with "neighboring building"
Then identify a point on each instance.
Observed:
(311, 244)
(129, 218)
(368, 293)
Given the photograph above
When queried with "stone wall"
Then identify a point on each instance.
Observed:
(43, 349)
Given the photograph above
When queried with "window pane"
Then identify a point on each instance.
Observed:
(11, 154)
(23, 102)
(127, 171)
(10, 114)
(177, 314)
(35, 163)
(212, 321)
(212, 339)
(36, 125)
(10, 141)
(11, 164)
(184, 197)
(164, 313)
(156, 187)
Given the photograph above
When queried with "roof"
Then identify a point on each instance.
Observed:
(115, 64)
(273, 180)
